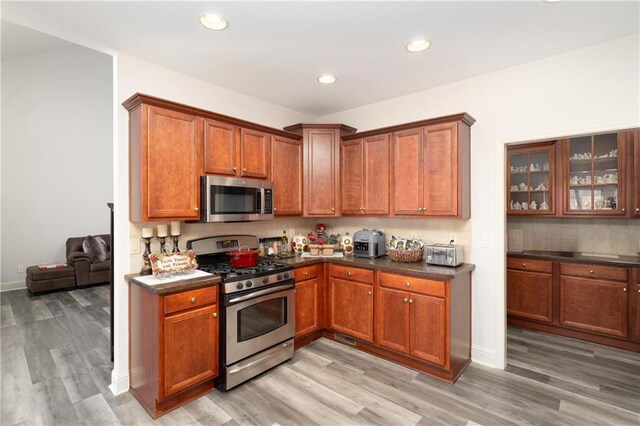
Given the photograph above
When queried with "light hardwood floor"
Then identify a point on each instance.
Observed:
(55, 369)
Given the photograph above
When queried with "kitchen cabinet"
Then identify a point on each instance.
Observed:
(220, 148)
(531, 184)
(431, 169)
(636, 173)
(635, 306)
(411, 317)
(286, 174)
(309, 300)
(321, 167)
(365, 176)
(351, 302)
(594, 175)
(530, 289)
(254, 153)
(173, 346)
(164, 157)
(591, 300)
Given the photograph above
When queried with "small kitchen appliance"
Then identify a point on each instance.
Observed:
(257, 318)
(369, 243)
(224, 199)
(444, 254)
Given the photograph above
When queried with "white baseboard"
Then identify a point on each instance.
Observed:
(119, 382)
(12, 285)
(484, 356)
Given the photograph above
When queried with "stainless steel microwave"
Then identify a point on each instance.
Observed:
(225, 199)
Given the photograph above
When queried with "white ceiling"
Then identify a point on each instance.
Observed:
(276, 50)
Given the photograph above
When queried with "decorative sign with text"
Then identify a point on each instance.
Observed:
(170, 264)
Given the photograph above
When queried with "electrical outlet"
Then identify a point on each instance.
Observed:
(20, 268)
(134, 246)
(453, 238)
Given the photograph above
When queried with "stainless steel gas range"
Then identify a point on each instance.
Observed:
(257, 319)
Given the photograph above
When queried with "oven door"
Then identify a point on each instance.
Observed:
(258, 320)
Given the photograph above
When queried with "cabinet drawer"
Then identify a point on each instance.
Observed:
(306, 273)
(524, 264)
(190, 299)
(594, 271)
(349, 273)
(412, 284)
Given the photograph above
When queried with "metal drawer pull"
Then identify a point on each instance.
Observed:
(524, 265)
(591, 271)
(306, 274)
(408, 284)
(624, 289)
(193, 300)
(349, 274)
(369, 293)
(405, 300)
(410, 300)
(215, 315)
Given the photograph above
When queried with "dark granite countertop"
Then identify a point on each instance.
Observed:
(417, 269)
(174, 286)
(569, 256)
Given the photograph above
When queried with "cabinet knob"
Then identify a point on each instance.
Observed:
(235, 168)
(405, 300)
(195, 209)
(623, 210)
(244, 170)
(591, 271)
(306, 274)
(274, 209)
(410, 301)
(215, 315)
(638, 209)
(193, 300)
(349, 274)
(624, 289)
(524, 265)
(419, 209)
(408, 284)
(369, 293)
(333, 209)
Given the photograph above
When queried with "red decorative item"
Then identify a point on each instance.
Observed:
(243, 259)
(320, 228)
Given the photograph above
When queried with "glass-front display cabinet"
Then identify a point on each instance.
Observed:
(531, 179)
(594, 175)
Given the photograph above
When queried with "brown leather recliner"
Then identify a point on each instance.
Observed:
(88, 272)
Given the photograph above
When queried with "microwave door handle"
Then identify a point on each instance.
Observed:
(261, 201)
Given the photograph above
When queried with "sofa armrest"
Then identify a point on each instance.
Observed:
(79, 256)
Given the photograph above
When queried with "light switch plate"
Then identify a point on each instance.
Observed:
(134, 246)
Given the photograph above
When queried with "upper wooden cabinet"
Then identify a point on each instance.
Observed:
(164, 147)
(431, 175)
(321, 167)
(220, 148)
(594, 175)
(636, 174)
(531, 184)
(255, 153)
(286, 174)
(365, 176)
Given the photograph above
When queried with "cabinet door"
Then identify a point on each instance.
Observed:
(392, 319)
(376, 175)
(440, 168)
(530, 295)
(635, 320)
(286, 174)
(172, 181)
(190, 349)
(594, 305)
(321, 184)
(255, 154)
(307, 307)
(428, 329)
(636, 174)
(220, 148)
(352, 167)
(531, 185)
(351, 310)
(407, 173)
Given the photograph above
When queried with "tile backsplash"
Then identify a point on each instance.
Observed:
(428, 230)
(609, 236)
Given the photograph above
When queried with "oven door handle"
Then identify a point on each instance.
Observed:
(258, 293)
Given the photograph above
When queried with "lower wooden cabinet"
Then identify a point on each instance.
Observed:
(309, 297)
(530, 295)
(428, 329)
(173, 346)
(635, 307)
(351, 308)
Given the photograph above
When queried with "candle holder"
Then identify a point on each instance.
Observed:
(175, 244)
(163, 247)
(146, 266)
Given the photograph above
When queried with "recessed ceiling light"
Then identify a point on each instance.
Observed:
(418, 45)
(326, 79)
(213, 22)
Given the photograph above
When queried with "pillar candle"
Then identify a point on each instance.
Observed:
(175, 228)
(147, 232)
(162, 230)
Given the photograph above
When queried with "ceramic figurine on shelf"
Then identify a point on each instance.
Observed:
(516, 206)
(533, 205)
(545, 167)
(544, 206)
(522, 186)
(525, 206)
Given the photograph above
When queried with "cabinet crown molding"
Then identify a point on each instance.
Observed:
(299, 128)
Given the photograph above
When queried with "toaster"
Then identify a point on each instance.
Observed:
(444, 254)
(369, 243)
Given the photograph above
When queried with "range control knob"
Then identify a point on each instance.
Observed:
(265, 280)
(286, 275)
(279, 276)
(239, 286)
(249, 283)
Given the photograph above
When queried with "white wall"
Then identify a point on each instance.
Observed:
(56, 154)
(590, 89)
(135, 75)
